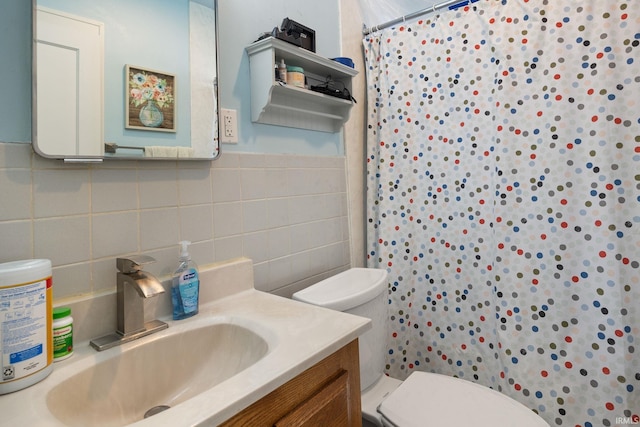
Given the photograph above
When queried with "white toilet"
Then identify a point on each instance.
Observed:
(423, 399)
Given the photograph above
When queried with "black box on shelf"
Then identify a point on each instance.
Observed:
(297, 34)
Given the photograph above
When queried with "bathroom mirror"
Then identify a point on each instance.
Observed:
(125, 79)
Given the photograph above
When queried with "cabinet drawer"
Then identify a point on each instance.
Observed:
(328, 407)
(327, 394)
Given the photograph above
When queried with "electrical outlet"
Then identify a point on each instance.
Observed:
(229, 131)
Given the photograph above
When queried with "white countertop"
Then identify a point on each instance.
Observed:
(299, 335)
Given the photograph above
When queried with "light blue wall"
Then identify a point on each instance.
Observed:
(240, 23)
(15, 71)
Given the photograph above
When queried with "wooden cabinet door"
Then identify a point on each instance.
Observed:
(329, 407)
(327, 395)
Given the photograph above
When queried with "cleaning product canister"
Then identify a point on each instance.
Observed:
(25, 323)
(62, 333)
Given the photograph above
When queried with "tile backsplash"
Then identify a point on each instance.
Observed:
(288, 213)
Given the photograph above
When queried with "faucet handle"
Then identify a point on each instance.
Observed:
(133, 263)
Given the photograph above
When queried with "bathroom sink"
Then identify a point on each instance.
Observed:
(242, 345)
(154, 374)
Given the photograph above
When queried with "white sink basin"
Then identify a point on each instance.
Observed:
(166, 370)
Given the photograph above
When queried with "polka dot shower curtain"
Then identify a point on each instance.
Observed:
(504, 200)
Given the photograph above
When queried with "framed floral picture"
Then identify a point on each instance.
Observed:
(150, 99)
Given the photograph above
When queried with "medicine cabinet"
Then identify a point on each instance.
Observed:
(275, 103)
(89, 58)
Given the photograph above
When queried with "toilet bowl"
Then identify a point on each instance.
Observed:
(423, 399)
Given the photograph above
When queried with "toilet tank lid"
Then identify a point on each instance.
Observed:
(345, 290)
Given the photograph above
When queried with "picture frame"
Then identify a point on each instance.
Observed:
(150, 99)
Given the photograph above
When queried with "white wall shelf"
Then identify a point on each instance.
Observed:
(278, 104)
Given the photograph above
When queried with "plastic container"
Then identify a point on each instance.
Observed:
(282, 71)
(295, 76)
(185, 287)
(62, 333)
(26, 354)
(345, 61)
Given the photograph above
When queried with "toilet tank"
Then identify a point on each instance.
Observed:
(359, 291)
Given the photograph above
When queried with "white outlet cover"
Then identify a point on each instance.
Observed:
(229, 129)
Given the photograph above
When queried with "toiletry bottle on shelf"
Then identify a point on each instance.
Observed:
(185, 288)
(282, 71)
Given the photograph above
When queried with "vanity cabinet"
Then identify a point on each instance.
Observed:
(286, 105)
(327, 394)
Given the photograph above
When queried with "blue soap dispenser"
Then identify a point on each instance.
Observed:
(185, 288)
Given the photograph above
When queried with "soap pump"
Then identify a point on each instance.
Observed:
(185, 287)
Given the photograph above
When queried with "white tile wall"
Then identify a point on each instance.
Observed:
(18, 183)
(354, 131)
(286, 212)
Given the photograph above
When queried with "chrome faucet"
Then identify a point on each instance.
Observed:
(133, 286)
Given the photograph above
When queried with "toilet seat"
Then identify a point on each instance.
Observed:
(426, 399)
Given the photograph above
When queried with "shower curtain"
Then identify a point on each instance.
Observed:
(503, 199)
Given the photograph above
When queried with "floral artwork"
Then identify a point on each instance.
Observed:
(150, 100)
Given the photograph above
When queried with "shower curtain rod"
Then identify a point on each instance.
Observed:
(450, 4)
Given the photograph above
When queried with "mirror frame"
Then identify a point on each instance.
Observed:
(216, 146)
